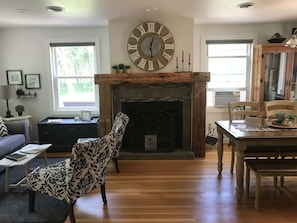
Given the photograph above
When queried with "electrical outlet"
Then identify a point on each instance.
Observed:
(211, 131)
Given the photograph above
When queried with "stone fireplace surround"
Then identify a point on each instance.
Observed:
(156, 97)
(190, 88)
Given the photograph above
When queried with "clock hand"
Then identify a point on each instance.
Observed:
(151, 43)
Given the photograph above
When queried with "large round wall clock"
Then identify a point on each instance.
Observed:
(150, 46)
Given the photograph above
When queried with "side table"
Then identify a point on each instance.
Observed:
(31, 151)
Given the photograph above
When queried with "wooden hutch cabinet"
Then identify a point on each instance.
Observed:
(274, 73)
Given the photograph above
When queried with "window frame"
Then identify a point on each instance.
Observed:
(230, 39)
(56, 109)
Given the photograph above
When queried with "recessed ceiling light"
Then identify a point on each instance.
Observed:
(245, 5)
(54, 8)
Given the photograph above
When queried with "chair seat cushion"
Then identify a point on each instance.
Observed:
(51, 180)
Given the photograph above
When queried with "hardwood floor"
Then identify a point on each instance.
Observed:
(184, 191)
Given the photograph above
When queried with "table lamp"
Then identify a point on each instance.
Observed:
(7, 92)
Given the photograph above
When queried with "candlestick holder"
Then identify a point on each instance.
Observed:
(176, 69)
(189, 67)
(182, 70)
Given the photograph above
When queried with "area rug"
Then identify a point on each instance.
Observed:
(14, 204)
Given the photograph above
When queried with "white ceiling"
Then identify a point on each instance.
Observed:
(98, 12)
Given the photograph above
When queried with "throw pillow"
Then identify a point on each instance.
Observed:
(3, 128)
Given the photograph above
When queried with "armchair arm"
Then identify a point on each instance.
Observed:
(19, 127)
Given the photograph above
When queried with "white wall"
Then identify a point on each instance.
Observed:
(27, 49)
(119, 30)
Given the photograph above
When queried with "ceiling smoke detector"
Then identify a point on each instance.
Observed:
(54, 8)
(23, 11)
(245, 5)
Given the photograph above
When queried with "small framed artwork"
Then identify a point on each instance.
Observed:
(32, 81)
(85, 116)
(14, 77)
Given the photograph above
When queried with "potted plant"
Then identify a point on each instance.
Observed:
(20, 92)
(20, 109)
(292, 118)
(127, 68)
(115, 68)
(280, 117)
(121, 67)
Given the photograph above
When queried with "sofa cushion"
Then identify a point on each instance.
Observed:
(3, 128)
(11, 143)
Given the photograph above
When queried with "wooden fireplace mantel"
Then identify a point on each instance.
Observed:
(197, 79)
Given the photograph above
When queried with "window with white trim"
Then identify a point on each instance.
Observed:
(229, 64)
(73, 67)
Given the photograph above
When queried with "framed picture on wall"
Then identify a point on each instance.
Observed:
(85, 116)
(32, 81)
(14, 77)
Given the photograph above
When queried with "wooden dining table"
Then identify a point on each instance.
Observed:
(243, 136)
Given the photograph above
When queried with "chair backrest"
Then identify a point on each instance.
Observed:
(279, 106)
(88, 165)
(243, 109)
(118, 128)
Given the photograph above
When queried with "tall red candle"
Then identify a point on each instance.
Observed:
(176, 61)
(182, 56)
(189, 59)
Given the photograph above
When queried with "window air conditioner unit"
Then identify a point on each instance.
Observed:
(223, 97)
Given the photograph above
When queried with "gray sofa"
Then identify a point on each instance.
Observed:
(19, 135)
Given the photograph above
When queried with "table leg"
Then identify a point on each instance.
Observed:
(45, 158)
(27, 168)
(239, 173)
(220, 152)
(7, 179)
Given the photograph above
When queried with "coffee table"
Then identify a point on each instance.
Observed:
(31, 151)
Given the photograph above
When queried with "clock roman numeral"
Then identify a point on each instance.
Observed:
(169, 46)
(132, 47)
(135, 37)
(141, 30)
(160, 64)
(142, 63)
(150, 27)
(160, 30)
(134, 56)
(150, 65)
(167, 56)
(166, 37)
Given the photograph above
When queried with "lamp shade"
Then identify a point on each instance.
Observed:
(293, 41)
(7, 92)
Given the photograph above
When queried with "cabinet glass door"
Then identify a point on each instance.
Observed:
(275, 76)
(294, 76)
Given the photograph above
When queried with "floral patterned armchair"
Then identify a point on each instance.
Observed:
(74, 177)
(118, 128)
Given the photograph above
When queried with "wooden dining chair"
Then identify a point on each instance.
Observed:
(279, 106)
(242, 110)
(282, 106)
